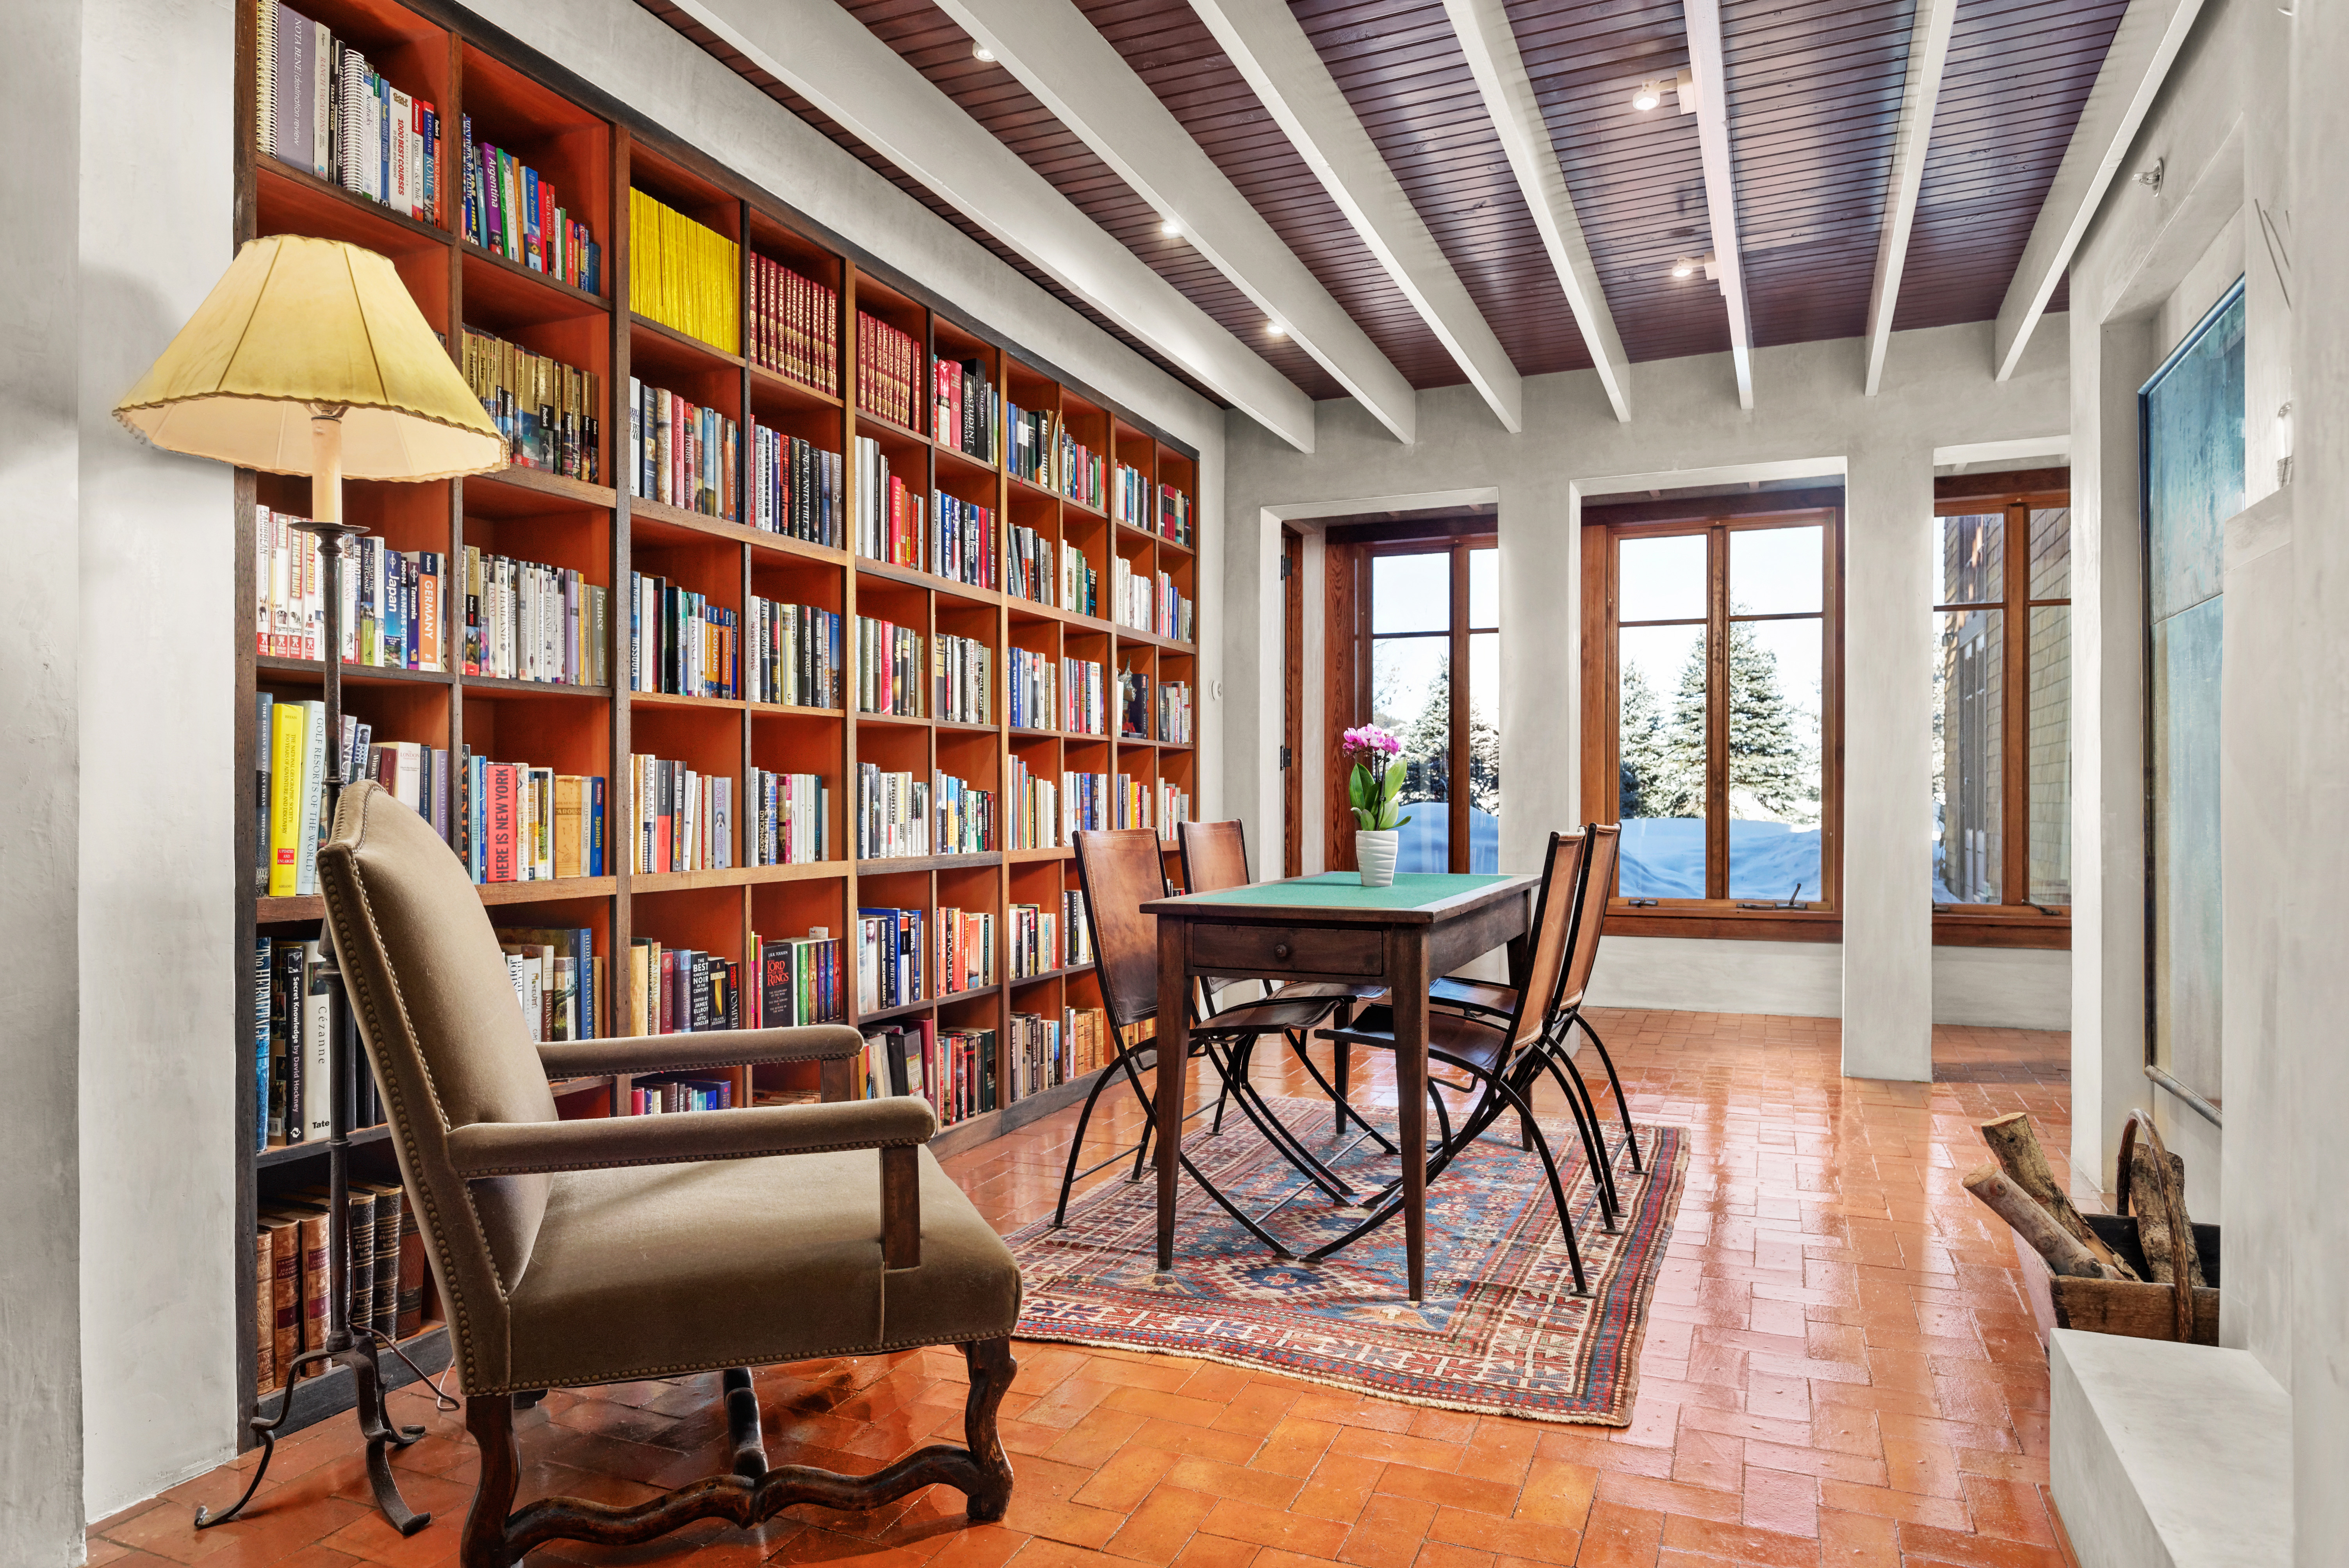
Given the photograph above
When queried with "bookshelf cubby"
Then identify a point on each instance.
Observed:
(595, 155)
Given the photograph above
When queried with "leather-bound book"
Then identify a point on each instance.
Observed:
(285, 1293)
(264, 1312)
(390, 1206)
(312, 1217)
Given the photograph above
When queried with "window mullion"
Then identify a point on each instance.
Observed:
(2014, 826)
(1716, 714)
(1456, 814)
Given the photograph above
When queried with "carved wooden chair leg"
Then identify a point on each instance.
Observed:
(991, 1371)
(489, 1417)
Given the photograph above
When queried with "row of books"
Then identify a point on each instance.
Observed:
(516, 823)
(965, 817)
(962, 678)
(290, 762)
(321, 106)
(512, 211)
(684, 452)
(888, 370)
(1148, 604)
(966, 410)
(1084, 708)
(890, 670)
(681, 990)
(892, 954)
(1051, 573)
(794, 325)
(1133, 705)
(384, 1278)
(1031, 693)
(665, 1094)
(1173, 515)
(1174, 808)
(391, 608)
(1027, 452)
(547, 410)
(1083, 473)
(794, 487)
(557, 979)
(1032, 807)
(680, 643)
(964, 548)
(1042, 938)
(892, 521)
(526, 621)
(683, 274)
(791, 655)
(966, 950)
(954, 1070)
(791, 816)
(1129, 502)
(295, 1040)
(679, 820)
(1045, 1052)
(1174, 712)
(799, 980)
(892, 813)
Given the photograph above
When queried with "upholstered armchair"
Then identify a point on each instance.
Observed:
(577, 1252)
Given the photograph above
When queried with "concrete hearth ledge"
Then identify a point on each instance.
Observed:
(2168, 1456)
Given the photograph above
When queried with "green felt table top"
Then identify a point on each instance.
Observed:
(1344, 890)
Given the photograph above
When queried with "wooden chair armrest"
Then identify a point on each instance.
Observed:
(698, 1050)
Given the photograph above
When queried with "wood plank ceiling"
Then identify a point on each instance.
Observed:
(1814, 92)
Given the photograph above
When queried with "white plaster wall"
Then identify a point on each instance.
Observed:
(1810, 417)
(1991, 987)
(159, 625)
(2016, 989)
(40, 612)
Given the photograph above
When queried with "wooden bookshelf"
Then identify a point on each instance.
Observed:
(597, 154)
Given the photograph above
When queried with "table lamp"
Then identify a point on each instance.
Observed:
(309, 358)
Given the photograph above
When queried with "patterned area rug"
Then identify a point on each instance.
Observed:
(1500, 1330)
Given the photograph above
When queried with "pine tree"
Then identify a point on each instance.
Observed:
(1645, 790)
(1770, 758)
(1427, 742)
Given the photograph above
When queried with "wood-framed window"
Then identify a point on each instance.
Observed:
(2001, 823)
(1414, 647)
(1713, 666)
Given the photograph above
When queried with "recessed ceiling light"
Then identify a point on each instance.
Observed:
(1171, 227)
(982, 53)
(1649, 95)
(1274, 329)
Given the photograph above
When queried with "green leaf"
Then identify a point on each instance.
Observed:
(1403, 821)
(1357, 788)
(1394, 777)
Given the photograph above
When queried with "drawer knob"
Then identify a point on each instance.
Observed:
(1280, 950)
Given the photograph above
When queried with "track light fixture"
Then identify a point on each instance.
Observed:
(1649, 95)
(982, 54)
(1274, 329)
(1684, 267)
(1689, 266)
(1172, 228)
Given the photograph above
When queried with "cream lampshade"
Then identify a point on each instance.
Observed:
(299, 325)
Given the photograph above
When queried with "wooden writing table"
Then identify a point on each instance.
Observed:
(1331, 927)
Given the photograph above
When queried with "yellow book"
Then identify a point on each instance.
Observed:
(567, 822)
(288, 748)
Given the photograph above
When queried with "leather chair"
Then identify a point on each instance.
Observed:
(578, 1253)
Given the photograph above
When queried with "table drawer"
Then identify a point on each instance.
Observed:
(1247, 950)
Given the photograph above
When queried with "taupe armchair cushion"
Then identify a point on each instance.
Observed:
(571, 1252)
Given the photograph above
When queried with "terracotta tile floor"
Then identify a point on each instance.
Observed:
(1839, 1370)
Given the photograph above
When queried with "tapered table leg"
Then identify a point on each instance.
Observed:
(1173, 1055)
(1407, 969)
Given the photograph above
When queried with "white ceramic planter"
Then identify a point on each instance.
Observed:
(1375, 853)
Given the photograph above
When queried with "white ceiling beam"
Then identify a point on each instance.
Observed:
(1279, 62)
(1929, 53)
(1061, 58)
(1710, 70)
(1485, 37)
(2148, 38)
(826, 56)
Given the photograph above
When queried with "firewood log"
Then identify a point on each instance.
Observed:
(2158, 1198)
(2016, 1146)
(2063, 1254)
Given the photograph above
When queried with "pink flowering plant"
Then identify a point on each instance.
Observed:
(1376, 787)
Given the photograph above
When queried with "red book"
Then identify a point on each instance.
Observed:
(667, 992)
(498, 862)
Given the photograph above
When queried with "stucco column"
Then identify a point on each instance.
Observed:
(1888, 685)
(2109, 362)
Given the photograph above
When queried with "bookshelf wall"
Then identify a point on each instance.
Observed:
(602, 166)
